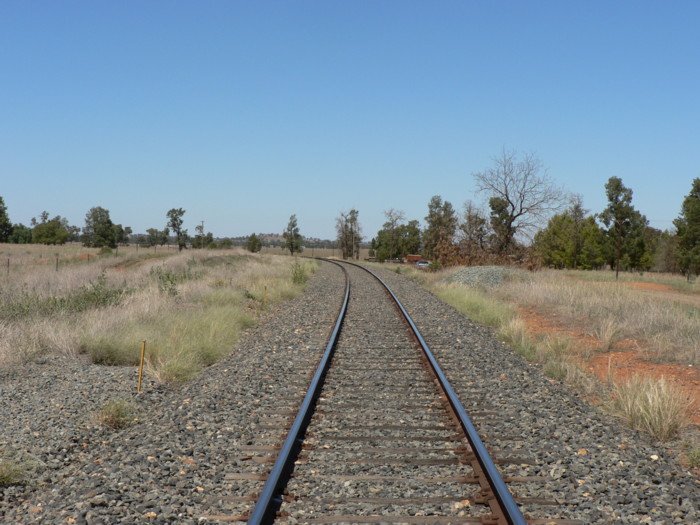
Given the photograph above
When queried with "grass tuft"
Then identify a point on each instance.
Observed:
(116, 414)
(651, 405)
(11, 473)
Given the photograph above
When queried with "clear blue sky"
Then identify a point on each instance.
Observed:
(244, 113)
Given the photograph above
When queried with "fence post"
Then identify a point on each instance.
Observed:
(143, 355)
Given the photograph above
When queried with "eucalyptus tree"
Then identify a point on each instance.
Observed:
(292, 237)
(349, 234)
(688, 231)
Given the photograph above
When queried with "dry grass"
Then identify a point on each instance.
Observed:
(612, 312)
(651, 405)
(189, 307)
(116, 414)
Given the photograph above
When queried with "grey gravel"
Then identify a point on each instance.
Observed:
(485, 276)
(188, 457)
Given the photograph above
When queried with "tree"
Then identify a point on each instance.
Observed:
(572, 239)
(441, 225)
(292, 237)
(5, 224)
(202, 240)
(521, 196)
(175, 225)
(349, 232)
(688, 231)
(625, 227)
(473, 233)
(253, 244)
(99, 229)
(156, 236)
(21, 234)
(54, 231)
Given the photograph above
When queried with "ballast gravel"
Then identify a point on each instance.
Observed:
(181, 459)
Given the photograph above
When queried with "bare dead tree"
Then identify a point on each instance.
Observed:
(521, 196)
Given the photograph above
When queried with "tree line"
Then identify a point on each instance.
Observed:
(525, 219)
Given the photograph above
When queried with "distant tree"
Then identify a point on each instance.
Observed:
(226, 243)
(253, 243)
(175, 225)
(389, 237)
(473, 234)
(667, 253)
(439, 234)
(157, 237)
(521, 196)
(202, 240)
(126, 235)
(625, 228)
(396, 240)
(572, 239)
(98, 231)
(5, 224)
(74, 233)
(688, 231)
(54, 231)
(21, 234)
(349, 234)
(292, 237)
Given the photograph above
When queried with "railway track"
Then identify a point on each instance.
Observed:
(380, 437)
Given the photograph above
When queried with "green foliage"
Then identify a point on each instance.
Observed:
(54, 231)
(571, 241)
(21, 234)
(156, 236)
(625, 228)
(99, 230)
(116, 414)
(441, 226)
(299, 273)
(396, 240)
(688, 230)
(292, 237)
(175, 225)
(5, 224)
(253, 244)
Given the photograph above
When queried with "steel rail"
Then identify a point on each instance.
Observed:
(510, 508)
(269, 500)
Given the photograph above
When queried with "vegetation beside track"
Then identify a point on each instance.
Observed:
(189, 307)
(607, 313)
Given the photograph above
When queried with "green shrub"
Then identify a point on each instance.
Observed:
(299, 273)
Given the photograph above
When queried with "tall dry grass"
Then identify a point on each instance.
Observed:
(189, 307)
(612, 311)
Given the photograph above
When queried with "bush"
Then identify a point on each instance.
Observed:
(299, 274)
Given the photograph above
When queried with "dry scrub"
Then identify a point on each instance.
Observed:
(189, 307)
(609, 311)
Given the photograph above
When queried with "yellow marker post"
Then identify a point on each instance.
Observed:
(143, 356)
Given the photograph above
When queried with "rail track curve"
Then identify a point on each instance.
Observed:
(411, 433)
